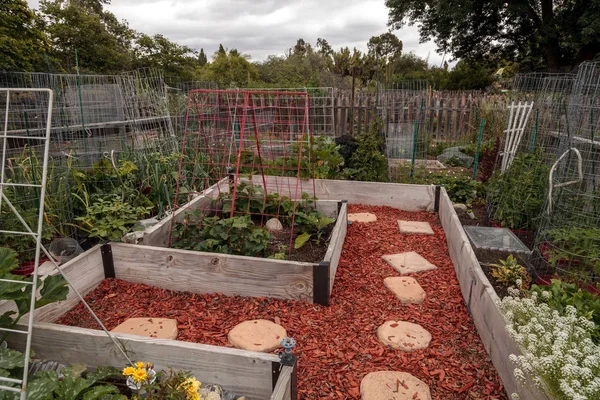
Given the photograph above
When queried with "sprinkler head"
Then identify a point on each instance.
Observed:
(288, 343)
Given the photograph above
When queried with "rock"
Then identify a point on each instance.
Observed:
(460, 207)
(407, 263)
(403, 335)
(415, 227)
(159, 328)
(274, 225)
(387, 385)
(133, 237)
(362, 217)
(144, 224)
(212, 396)
(257, 335)
(211, 392)
(406, 289)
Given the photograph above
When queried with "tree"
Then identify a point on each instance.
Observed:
(202, 59)
(158, 52)
(558, 33)
(300, 47)
(102, 41)
(231, 69)
(22, 41)
(222, 49)
(385, 47)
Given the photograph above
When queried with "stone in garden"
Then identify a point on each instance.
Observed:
(403, 335)
(406, 289)
(393, 385)
(158, 328)
(274, 225)
(407, 263)
(460, 207)
(415, 227)
(257, 335)
(362, 217)
(144, 224)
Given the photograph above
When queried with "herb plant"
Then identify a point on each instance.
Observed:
(511, 273)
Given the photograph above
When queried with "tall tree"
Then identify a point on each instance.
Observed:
(202, 59)
(231, 69)
(557, 32)
(22, 41)
(176, 61)
(385, 47)
(222, 49)
(102, 41)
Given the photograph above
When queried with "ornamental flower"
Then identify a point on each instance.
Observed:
(139, 375)
(140, 365)
(191, 387)
(128, 371)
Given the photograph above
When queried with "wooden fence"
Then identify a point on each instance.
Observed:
(443, 115)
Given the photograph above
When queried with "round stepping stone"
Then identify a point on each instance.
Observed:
(415, 227)
(257, 335)
(392, 385)
(362, 217)
(406, 289)
(403, 335)
(407, 263)
(159, 328)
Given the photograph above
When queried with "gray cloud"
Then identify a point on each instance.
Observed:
(264, 27)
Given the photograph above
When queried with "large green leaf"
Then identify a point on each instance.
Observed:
(13, 291)
(42, 386)
(102, 373)
(6, 318)
(99, 391)
(10, 359)
(8, 260)
(301, 240)
(70, 388)
(54, 289)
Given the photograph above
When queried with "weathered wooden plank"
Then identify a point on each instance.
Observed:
(440, 104)
(282, 390)
(241, 371)
(334, 251)
(405, 197)
(199, 272)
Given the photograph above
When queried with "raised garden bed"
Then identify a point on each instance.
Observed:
(257, 375)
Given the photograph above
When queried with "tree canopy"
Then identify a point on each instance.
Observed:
(541, 34)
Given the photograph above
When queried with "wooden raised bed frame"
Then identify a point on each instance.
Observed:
(257, 375)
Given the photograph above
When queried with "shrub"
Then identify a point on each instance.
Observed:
(367, 162)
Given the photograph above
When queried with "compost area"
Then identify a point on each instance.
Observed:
(337, 345)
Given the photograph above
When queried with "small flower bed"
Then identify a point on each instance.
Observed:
(557, 349)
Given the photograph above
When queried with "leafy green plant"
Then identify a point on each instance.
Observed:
(173, 385)
(312, 225)
(559, 295)
(237, 235)
(511, 273)
(46, 385)
(367, 162)
(518, 196)
(22, 244)
(109, 219)
(51, 289)
(577, 246)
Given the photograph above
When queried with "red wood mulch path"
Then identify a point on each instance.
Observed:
(337, 345)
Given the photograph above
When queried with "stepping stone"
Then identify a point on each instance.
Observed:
(403, 335)
(407, 263)
(415, 227)
(362, 217)
(392, 385)
(257, 335)
(158, 328)
(406, 289)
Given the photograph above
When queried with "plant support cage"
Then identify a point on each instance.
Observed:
(254, 149)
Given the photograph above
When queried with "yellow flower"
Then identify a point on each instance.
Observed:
(128, 371)
(191, 386)
(140, 365)
(139, 375)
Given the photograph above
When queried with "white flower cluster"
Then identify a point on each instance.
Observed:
(556, 349)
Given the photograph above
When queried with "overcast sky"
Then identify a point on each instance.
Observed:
(264, 27)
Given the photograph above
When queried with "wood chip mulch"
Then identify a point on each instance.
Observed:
(337, 345)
